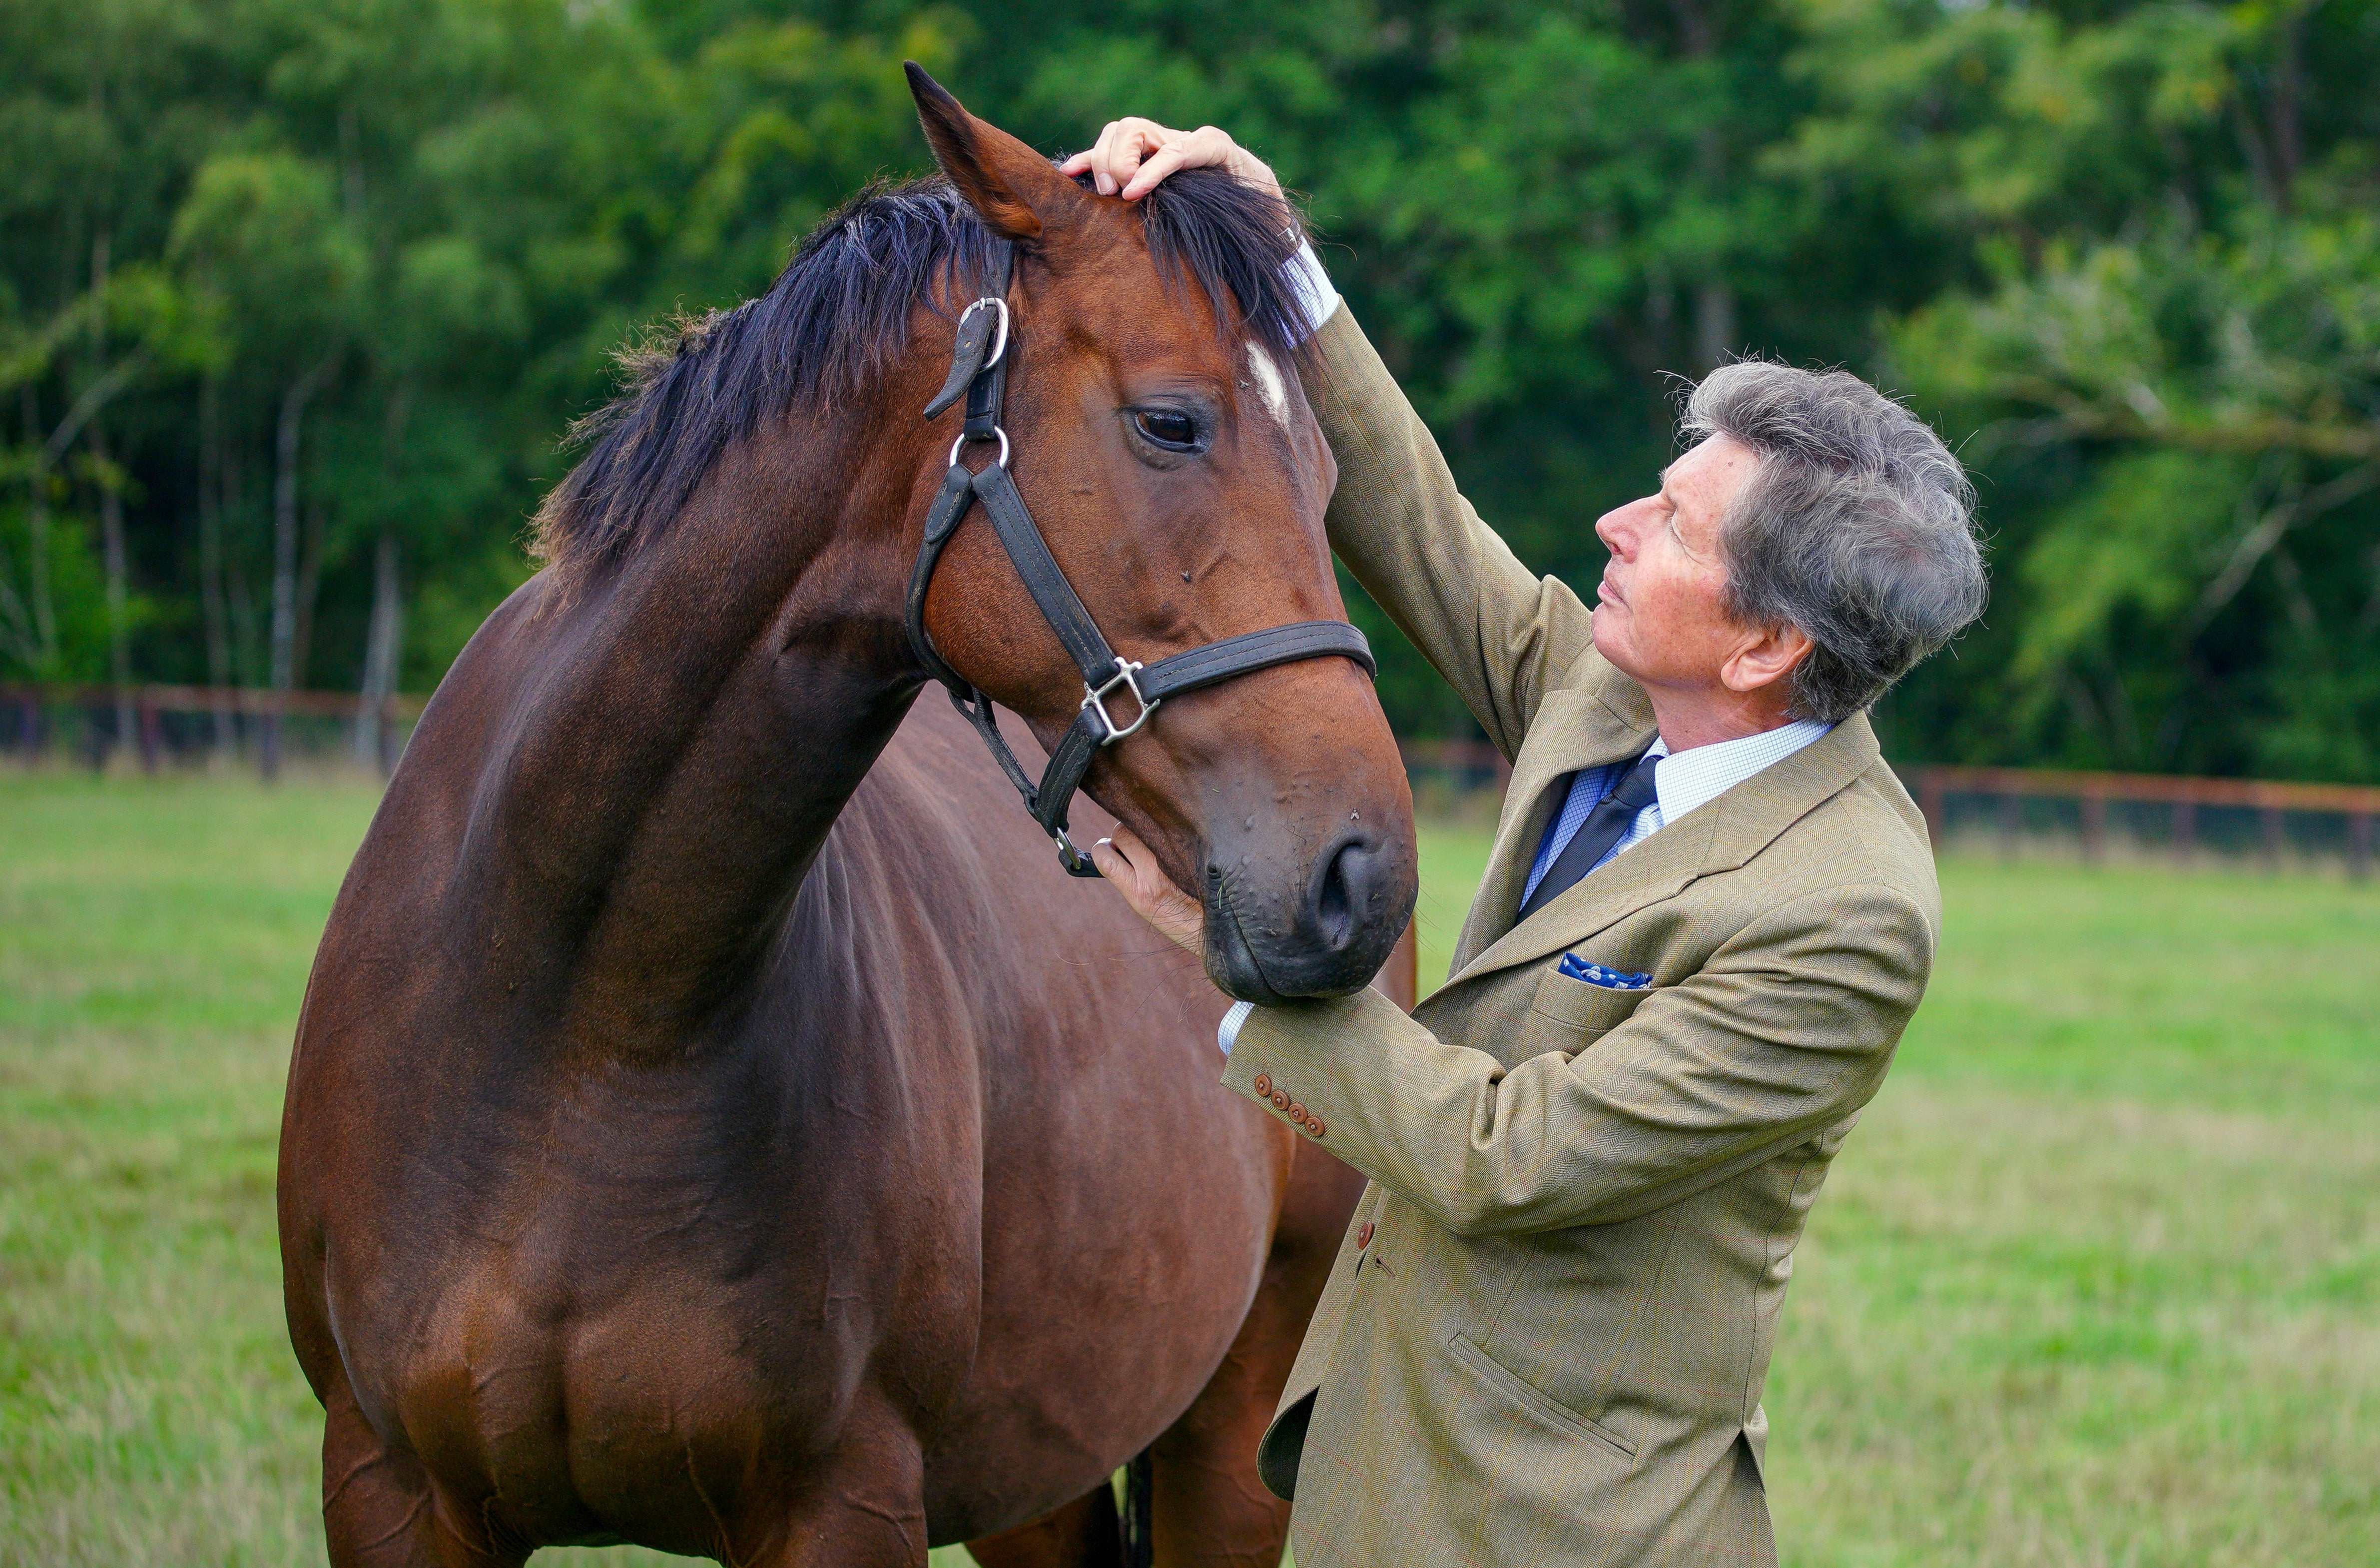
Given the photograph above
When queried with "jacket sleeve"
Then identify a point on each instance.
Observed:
(1787, 1029)
(1499, 636)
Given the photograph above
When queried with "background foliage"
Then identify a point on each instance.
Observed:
(296, 299)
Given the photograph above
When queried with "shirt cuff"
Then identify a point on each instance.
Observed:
(1312, 286)
(1228, 1031)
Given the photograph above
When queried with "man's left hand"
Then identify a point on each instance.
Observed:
(1131, 866)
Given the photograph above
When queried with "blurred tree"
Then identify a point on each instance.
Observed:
(2167, 340)
(360, 262)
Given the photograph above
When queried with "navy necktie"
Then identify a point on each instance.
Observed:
(1603, 827)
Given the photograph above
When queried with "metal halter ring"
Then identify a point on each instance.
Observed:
(1068, 855)
(999, 344)
(1095, 698)
(963, 439)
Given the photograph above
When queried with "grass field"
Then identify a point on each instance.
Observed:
(2098, 1282)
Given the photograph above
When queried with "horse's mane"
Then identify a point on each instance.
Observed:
(841, 310)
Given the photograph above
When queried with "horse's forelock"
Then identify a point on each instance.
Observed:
(1235, 241)
(840, 312)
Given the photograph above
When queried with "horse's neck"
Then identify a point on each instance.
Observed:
(703, 713)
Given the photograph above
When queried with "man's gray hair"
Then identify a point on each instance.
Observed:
(1858, 527)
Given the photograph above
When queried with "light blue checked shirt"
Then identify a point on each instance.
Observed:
(1690, 779)
(1680, 783)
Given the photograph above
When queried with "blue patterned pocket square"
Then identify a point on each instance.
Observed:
(1578, 968)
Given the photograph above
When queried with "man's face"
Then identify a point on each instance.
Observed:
(1657, 614)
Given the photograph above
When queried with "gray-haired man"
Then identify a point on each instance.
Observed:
(1709, 913)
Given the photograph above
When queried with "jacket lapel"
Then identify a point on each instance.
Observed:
(1721, 836)
(1574, 727)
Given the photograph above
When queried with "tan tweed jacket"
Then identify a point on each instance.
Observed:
(1545, 1334)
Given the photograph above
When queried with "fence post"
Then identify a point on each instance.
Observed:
(1929, 800)
(1400, 978)
(2358, 844)
(2269, 820)
(268, 750)
(2094, 827)
(387, 737)
(2185, 829)
(151, 740)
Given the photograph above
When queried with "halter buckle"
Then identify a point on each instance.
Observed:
(999, 342)
(1095, 701)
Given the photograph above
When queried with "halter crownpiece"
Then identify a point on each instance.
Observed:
(980, 364)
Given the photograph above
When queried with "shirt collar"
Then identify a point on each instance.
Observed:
(1700, 775)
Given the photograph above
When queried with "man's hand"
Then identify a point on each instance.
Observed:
(1133, 157)
(1129, 864)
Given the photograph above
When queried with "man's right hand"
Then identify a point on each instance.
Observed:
(1133, 157)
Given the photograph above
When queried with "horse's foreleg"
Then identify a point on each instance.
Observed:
(381, 1508)
(1211, 1509)
(1081, 1535)
(860, 1505)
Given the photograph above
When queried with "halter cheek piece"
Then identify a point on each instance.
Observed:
(979, 369)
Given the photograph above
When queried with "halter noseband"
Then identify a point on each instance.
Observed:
(979, 369)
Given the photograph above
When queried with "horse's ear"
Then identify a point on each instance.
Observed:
(1010, 186)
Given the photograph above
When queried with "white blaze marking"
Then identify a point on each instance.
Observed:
(1268, 381)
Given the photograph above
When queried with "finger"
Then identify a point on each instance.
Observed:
(1125, 865)
(1091, 159)
(1081, 163)
(1102, 152)
(1133, 853)
(1123, 146)
(1152, 174)
(1205, 147)
(1131, 868)
(1135, 143)
(1210, 144)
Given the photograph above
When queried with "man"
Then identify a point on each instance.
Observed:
(1710, 911)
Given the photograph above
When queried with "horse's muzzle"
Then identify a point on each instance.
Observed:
(1323, 931)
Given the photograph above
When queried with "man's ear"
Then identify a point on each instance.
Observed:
(1011, 188)
(1764, 658)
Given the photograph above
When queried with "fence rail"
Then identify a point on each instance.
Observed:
(2183, 800)
(2178, 801)
(2175, 804)
(135, 715)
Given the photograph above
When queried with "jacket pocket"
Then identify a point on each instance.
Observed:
(1560, 1416)
(1592, 1008)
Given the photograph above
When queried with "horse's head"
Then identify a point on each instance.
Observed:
(1167, 452)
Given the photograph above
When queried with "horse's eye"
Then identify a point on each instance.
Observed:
(1167, 428)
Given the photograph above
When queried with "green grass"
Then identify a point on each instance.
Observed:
(2097, 1280)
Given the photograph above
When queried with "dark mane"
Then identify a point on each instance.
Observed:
(840, 311)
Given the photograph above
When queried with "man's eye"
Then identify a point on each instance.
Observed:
(1167, 429)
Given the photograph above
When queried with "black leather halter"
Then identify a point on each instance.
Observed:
(979, 369)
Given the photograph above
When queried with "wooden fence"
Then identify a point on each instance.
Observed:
(2176, 810)
(2178, 807)
(2180, 803)
(113, 716)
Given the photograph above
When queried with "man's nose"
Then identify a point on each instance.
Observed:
(1612, 528)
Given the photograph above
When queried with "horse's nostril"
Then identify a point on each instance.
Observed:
(1323, 934)
(1344, 886)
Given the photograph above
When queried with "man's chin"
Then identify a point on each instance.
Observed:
(1607, 638)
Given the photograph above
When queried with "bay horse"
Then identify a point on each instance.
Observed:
(716, 1122)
